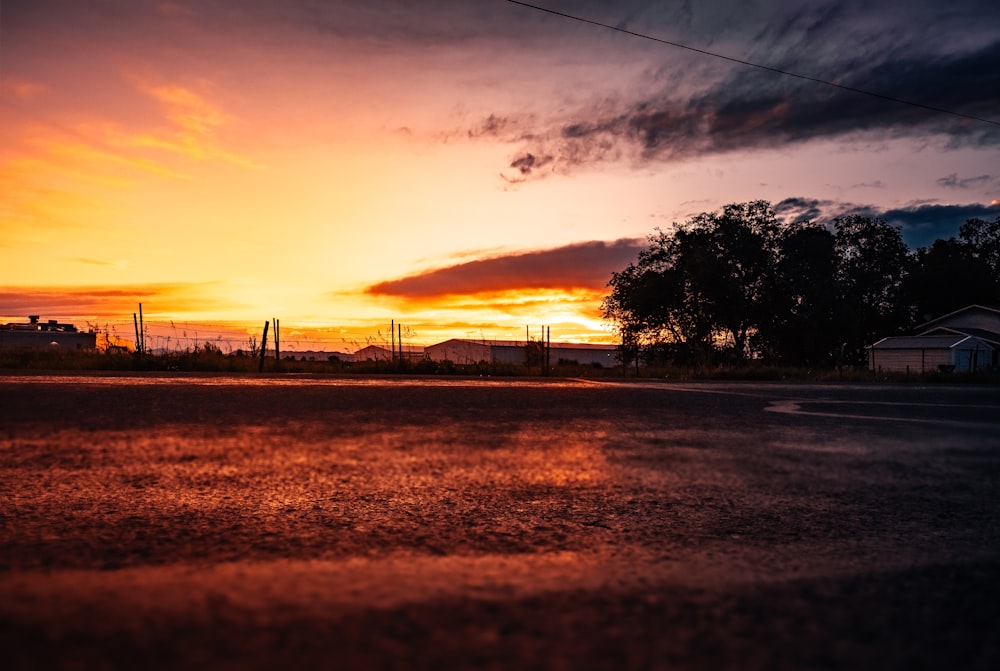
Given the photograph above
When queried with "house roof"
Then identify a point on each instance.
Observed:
(413, 349)
(992, 337)
(469, 341)
(926, 342)
(968, 308)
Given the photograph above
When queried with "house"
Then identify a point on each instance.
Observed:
(966, 340)
(45, 335)
(929, 353)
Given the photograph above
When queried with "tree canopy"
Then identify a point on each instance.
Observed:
(739, 284)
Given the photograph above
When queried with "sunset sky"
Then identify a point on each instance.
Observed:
(465, 168)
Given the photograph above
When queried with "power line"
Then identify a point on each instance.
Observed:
(768, 68)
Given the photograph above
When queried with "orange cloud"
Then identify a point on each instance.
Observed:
(583, 266)
(189, 110)
(195, 121)
(85, 155)
(516, 302)
(72, 302)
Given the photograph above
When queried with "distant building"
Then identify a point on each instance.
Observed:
(605, 356)
(377, 353)
(40, 335)
(967, 340)
(313, 355)
(462, 351)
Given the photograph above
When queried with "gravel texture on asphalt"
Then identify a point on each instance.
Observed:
(252, 523)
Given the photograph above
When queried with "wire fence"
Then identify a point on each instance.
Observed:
(235, 337)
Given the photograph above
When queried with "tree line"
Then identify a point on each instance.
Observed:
(730, 286)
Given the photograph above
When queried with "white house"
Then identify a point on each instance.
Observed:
(965, 340)
(930, 353)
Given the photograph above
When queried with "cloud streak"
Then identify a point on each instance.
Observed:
(72, 302)
(581, 266)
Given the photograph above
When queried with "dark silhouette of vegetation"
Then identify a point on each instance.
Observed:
(738, 286)
(208, 358)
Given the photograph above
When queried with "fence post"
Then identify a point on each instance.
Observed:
(277, 332)
(263, 349)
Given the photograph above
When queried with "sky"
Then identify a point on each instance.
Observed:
(466, 169)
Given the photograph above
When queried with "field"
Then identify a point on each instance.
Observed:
(157, 521)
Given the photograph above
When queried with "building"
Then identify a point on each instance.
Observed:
(967, 340)
(378, 353)
(605, 356)
(516, 352)
(48, 335)
(314, 355)
(930, 353)
(463, 352)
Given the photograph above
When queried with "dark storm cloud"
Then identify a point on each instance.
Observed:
(737, 107)
(919, 224)
(923, 224)
(953, 181)
(799, 210)
(585, 265)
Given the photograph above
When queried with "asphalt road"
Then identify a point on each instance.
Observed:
(228, 523)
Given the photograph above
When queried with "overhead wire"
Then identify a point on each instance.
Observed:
(768, 68)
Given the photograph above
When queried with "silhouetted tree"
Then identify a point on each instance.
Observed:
(801, 327)
(704, 284)
(983, 241)
(656, 300)
(734, 252)
(738, 282)
(873, 260)
(946, 276)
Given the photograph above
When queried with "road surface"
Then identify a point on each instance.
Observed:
(254, 523)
